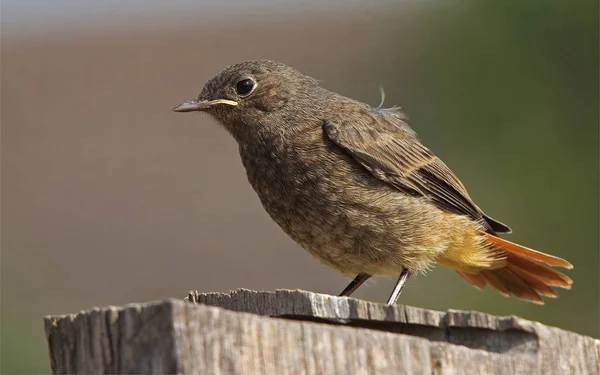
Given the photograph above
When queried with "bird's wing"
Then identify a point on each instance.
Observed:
(390, 151)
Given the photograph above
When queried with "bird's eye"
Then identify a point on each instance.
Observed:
(245, 87)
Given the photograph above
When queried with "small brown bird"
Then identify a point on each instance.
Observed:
(353, 185)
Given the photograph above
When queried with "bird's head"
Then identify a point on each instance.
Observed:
(253, 96)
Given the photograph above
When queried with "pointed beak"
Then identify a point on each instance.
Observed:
(202, 105)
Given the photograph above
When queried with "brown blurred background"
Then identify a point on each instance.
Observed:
(109, 198)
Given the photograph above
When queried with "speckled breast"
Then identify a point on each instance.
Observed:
(319, 198)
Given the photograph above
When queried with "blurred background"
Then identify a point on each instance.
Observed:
(108, 197)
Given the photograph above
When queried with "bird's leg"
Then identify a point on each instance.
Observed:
(354, 284)
(404, 275)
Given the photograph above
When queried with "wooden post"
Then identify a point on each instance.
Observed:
(298, 332)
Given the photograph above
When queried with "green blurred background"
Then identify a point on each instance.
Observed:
(110, 198)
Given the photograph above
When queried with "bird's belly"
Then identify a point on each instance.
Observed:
(350, 220)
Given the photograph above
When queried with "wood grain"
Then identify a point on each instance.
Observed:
(298, 332)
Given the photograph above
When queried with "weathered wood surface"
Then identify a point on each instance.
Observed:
(318, 334)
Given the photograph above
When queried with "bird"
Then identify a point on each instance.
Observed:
(354, 186)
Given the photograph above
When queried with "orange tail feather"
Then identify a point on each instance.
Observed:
(515, 285)
(539, 286)
(522, 274)
(476, 280)
(541, 272)
(511, 247)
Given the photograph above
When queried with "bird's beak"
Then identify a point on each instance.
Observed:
(202, 105)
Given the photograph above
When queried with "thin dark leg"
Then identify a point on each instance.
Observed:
(404, 275)
(354, 284)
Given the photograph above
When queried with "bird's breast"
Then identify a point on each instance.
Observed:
(307, 188)
(336, 209)
(292, 178)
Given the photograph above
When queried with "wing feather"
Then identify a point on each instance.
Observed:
(385, 147)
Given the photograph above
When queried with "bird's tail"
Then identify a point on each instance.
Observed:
(523, 273)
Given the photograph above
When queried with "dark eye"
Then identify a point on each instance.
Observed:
(244, 87)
